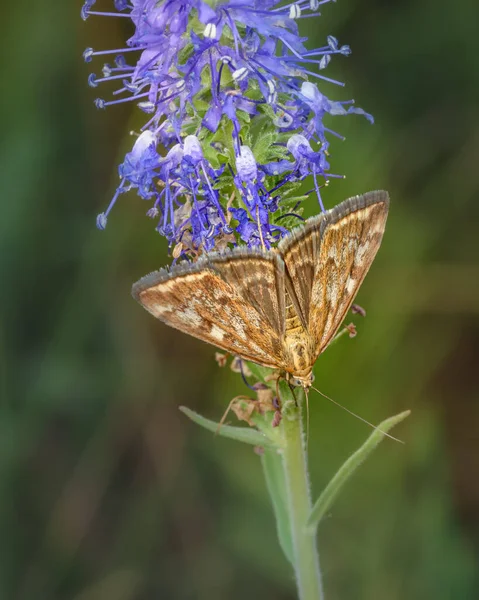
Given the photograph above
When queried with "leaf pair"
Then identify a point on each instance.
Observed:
(275, 479)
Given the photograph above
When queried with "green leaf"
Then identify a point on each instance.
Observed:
(276, 484)
(261, 373)
(328, 496)
(241, 434)
(263, 145)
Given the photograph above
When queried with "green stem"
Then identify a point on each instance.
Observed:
(305, 554)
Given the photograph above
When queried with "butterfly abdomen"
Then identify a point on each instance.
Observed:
(293, 325)
(298, 356)
(297, 352)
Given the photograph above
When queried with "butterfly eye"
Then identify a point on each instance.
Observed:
(302, 382)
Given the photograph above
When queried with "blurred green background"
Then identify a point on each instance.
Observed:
(107, 492)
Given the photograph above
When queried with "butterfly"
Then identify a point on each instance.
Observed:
(278, 308)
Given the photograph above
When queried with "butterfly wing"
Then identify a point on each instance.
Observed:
(327, 260)
(258, 278)
(233, 300)
(300, 251)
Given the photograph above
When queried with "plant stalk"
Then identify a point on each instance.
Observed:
(298, 497)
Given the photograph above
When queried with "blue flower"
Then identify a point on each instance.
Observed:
(204, 73)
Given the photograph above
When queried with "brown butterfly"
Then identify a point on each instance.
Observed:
(278, 308)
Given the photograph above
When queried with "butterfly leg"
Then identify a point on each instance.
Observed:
(234, 405)
(277, 405)
(289, 380)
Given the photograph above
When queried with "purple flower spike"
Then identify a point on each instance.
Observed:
(215, 81)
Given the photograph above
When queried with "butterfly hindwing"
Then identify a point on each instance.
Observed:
(206, 301)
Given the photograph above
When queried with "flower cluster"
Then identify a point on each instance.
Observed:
(234, 118)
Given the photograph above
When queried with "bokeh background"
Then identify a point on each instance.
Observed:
(107, 492)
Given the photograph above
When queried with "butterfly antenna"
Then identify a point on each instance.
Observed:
(357, 416)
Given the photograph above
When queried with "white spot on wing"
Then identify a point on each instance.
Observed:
(190, 316)
(217, 333)
(158, 310)
(333, 252)
(361, 253)
(350, 285)
(332, 292)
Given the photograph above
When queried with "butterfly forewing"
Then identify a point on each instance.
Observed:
(206, 301)
(349, 242)
(300, 252)
(258, 277)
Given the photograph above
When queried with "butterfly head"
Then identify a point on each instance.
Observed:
(304, 380)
